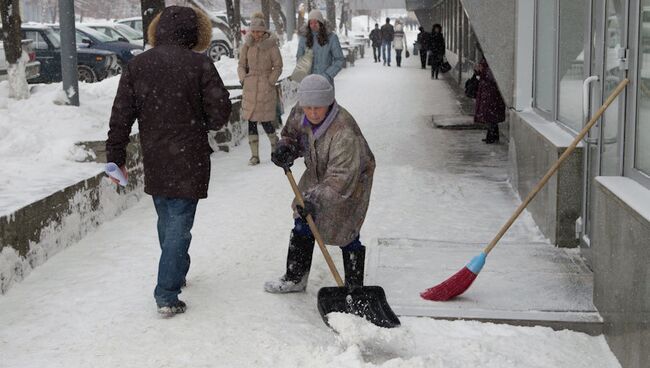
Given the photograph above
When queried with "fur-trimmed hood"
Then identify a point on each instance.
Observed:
(266, 43)
(183, 26)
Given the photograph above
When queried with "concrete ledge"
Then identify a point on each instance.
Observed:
(455, 122)
(620, 254)
(535, 145)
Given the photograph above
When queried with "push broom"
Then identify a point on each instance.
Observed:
(463, 279)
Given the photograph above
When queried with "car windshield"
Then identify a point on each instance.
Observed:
(128, 32)
(98, 35)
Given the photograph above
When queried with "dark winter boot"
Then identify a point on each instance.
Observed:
(354, 266)
(492, 135)
(301, 250)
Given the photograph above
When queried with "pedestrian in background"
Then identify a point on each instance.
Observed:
(260, 66)
(387, 36)
(399, 42)
(437, 50)
(375, 39)
(328, 55)
(490, 109)
(422, 43)
(176, 94)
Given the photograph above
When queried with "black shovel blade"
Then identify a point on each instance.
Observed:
(368, 302)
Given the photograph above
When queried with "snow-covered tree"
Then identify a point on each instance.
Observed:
(10, 13)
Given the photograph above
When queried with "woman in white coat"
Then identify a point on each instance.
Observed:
(399, 42)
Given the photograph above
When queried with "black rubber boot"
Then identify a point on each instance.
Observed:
(354, 266)
(299, 256)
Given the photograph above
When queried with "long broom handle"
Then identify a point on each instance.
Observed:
(314, 230)
(556, 166)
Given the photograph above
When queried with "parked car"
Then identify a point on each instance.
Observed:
(92, 65)
(89, 38)
(135, 23)
(33, 66)
(119, 32)
(224, 17)
(222, 40)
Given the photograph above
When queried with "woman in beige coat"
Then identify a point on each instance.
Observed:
(260, 66)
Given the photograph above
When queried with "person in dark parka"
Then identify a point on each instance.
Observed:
(375, 38)
(177, 95)
(490, 109)
(387, 36)
(423, 41)
(436, 50)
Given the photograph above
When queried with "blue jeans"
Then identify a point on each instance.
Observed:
(175, 220)
(385, 48)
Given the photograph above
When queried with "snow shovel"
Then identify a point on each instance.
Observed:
(368, 302)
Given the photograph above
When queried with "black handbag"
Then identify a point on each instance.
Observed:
(445, 66)
(471, 86)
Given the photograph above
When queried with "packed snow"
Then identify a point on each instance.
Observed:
(92, 304)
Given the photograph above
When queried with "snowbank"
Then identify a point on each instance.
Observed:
(38, 136)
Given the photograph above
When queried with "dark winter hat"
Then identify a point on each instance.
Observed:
(315, 91)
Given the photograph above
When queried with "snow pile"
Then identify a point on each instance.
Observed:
(38, 136)
(372, 341)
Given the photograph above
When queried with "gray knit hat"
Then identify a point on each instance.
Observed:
(316, 14)
(315, 91)
(258, 23)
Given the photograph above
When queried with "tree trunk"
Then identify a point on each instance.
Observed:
(301, 17)
(278, 18)
(149, 9)
(331, 13)
(266, 10)
(10, 14)
(237, 9)
(234, 21)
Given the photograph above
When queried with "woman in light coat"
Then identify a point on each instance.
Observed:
(260, 66)
(399, 42)
(328, 55)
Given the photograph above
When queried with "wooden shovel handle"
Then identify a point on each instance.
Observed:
(314, 229)
(556, 165)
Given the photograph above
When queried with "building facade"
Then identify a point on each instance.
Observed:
(556, 62)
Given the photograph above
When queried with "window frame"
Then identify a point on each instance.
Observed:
(552, 114)
(631, 124)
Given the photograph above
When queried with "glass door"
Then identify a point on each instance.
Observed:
(603, 147)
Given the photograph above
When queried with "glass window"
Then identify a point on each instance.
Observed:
(615, 31)
(39, 43)
(571, 62)
(545, 54)
(642, 133)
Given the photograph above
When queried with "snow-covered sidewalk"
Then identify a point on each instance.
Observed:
(92, 304)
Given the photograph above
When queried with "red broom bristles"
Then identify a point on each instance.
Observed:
(452, 287)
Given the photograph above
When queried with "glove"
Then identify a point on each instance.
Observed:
(308, 209)
(284, 155)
